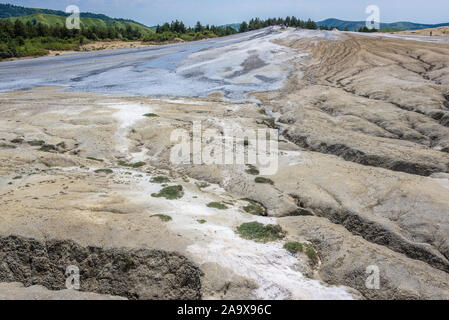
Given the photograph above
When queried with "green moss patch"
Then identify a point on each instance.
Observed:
(150, 115)
(294, 247)
(263, 180)
(217, 205)
(47, 148)
(160, 179)
(201, 221)
(163, 217)
(36, 143)
(170, 193)
(18, 140)
(259, 232)
(254, 208)
(131, 165)
(252, 170)
(107, 171)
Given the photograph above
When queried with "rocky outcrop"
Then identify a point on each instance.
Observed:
(130, 273)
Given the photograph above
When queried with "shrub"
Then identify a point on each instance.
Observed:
(170, 193)
(259, 232)
(217, 205)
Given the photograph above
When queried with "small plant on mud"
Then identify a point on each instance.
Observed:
(17, 140)
(131, 165)
(47, 148)
(294, 247)
(36, 143)
(163, 217)
(201, 221)
(150, 115)
(170, 193)
(311, 254)
(263, 180)
(217, 205)
(159, 179)
(259, 232)
(254, 208)
(107, 171)
(252, 170)
(17, 178)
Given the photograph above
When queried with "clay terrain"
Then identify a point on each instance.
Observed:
(362, 179)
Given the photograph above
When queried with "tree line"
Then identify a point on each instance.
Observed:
(34, 38)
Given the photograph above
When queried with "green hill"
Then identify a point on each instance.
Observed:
(56, 17)
(52, 20)
(395, 26)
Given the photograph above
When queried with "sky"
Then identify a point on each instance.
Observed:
(219, 12)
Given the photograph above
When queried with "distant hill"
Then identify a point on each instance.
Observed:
(395, 26)
(55, 17)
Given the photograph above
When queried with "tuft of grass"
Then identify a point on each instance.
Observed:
(254, 208)
(217, 205)
(159, 179)
(36, 143)
(107, 171)
(95, 159)
(150, 115)
(17, 140)
(131, 165)
(294, 247)
(17, 178)
(252, 170)
(311, 254)
(47, 148)
(186, 179)
(201, 221)
(259, 232)
(263, 180)
(170, 193)
(163, 217)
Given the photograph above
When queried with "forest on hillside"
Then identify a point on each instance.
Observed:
(18, 39)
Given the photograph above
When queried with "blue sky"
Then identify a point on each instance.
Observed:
(152, 12)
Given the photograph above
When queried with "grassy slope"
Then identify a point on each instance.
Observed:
(50, 19)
